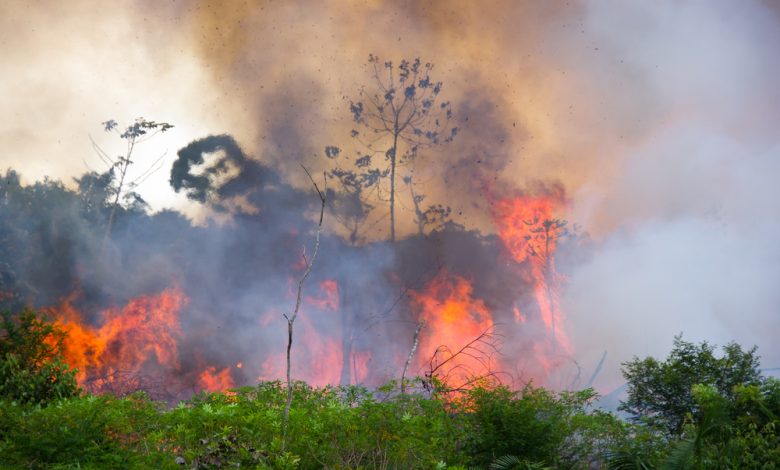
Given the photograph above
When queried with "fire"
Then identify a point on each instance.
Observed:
(142, 334)
(530, 233)
(214, 381)
(453, 320)
(316, 358)
(329, 298)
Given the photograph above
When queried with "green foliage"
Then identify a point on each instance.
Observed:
(332, 427)
(661, 393)
(712, 412)
(535, 425)
(87, 432)
(31, 365)
(488, 427)
(512, 462)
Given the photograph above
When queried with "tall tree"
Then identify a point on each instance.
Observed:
(399, 114)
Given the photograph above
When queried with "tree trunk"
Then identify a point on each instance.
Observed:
(415, 342)
(393, 157)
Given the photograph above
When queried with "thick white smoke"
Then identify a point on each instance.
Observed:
(688, 214)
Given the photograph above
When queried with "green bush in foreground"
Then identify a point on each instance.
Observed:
(330, 427)
(31, 366)
(719, 419)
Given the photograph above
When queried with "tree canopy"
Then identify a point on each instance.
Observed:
(662, 392)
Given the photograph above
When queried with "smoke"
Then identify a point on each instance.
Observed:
(686, 212)
(658, 118)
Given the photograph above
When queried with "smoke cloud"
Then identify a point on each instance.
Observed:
(658, 119)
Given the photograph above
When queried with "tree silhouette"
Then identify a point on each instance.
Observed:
(433, 215)
(139, 131)
(399, 115)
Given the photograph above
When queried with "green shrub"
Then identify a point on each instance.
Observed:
(31, 365)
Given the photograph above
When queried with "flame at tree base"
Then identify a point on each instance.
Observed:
(133, 346)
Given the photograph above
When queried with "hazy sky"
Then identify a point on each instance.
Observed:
(659, 117)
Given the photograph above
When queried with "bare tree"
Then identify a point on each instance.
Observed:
(140, 131)
(400, 115)
(308, 263)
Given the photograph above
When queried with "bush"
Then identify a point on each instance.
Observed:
(537, 427)
(85, 432)
(31, 366)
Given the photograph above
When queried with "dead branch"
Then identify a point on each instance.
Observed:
(481, 351)
(309, 263)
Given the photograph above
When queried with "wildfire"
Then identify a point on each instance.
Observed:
(142, 334)
(214, 381)
(329, 298)
(530, 233)
(454, 319)
(317, 358)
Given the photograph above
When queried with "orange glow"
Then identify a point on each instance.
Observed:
(329, 296)
(519, 317)
(453, 318)
(142, 333)
(316, 358)
(214, 381)
(360, 366)
(530, 232)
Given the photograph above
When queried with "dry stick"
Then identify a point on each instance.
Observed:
(291, 319)
(487, 338)
(415, 341)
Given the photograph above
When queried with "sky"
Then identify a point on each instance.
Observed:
(659, 118)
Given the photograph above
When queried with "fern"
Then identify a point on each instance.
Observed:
(512, 462)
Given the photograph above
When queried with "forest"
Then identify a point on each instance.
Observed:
(698, 408)
(87, 383)
(377, 265)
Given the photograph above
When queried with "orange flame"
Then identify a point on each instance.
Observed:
(213, 381)
(530, 233)
(143, 333)
(319, 362)
(329, 300)
(453, 319)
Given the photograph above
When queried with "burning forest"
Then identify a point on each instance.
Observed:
(389, 234)
(516, 191)
(174, 308)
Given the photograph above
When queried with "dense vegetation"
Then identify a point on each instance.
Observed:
(693, 410)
